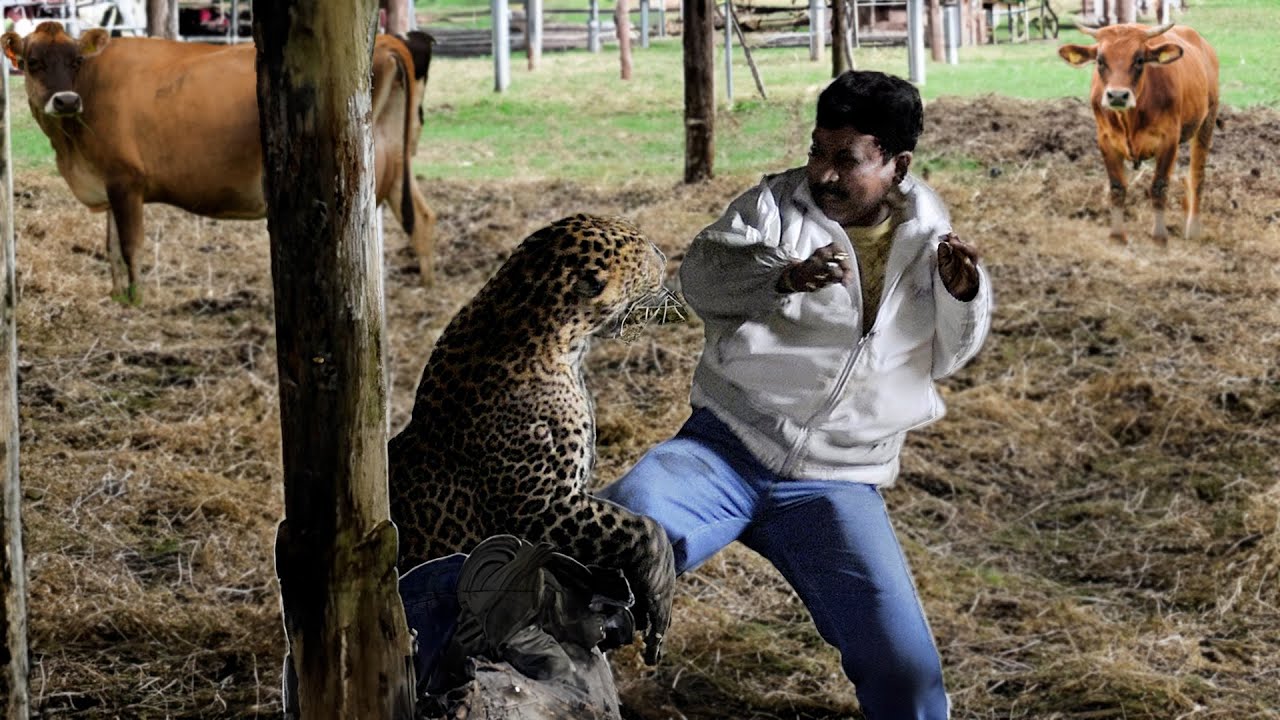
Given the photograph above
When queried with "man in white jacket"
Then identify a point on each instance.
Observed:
(833, 295)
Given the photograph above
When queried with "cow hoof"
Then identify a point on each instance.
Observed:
(1119, 237)
(1194, 230)
(1161, 239)
(130, 296)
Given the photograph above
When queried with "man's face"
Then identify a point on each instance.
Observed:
(849, 175)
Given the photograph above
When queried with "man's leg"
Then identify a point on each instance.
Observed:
(696, 485)
(833, 542)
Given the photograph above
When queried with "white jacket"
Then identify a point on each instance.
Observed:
(791, 374)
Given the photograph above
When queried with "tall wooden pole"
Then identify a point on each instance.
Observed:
(935, 31)
(162, 19)
(533, 32)
(501, 34)
(840, 61)
(622, 28)
(14, 696)
(336, 547)
(399, 13)
(699, 88)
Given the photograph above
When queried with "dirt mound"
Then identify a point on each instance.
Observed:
(1093, 526)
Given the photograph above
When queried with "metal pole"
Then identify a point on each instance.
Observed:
(853, 24)
(533, 32)
(728, 50)
(593, 27)
(951, 25)
(915, 41)
(662, 18)
(817, 29)
(644, 23)
(501, 45)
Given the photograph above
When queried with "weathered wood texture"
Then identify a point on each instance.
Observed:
(14, 696)
(162, 19)
(699, 89)
(336, 548)
(622, 30)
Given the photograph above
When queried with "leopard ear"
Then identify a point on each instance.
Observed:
(589, 285)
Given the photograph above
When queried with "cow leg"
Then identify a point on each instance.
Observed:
(123, 244)
(1116, 175)
(1200, 144)
(424, 226)
(1160, 193)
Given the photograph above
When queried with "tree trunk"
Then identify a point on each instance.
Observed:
(936, 49)
(699, 89)
(399, 20)
(162, 19)
(622, 25)
(336, 547)
(1126, 11)
(14, 696)
(840, 62)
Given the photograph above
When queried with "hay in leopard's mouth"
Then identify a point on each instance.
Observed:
(661, 308)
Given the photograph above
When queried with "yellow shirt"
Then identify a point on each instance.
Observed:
(871, 251)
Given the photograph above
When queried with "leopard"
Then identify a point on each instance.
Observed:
(501, 438)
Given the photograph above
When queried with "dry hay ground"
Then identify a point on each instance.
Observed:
(1093, 527)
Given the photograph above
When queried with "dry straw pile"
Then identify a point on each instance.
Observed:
(1093, 526)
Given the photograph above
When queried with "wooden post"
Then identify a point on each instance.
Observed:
(728, 51)
(162, 19)
(746, 52)
(839, 33)
(622, 28)
(1126, 11)
(935, 31)
(399, 13)
(336, 547)
(501, 35)
(533, 32)
(699, 89)
(15, 699)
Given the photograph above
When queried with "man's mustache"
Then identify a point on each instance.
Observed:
(832, 191)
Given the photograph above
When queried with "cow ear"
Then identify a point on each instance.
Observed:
(93, 41)
(1164, 54)
(1078, 54)
(12, 43)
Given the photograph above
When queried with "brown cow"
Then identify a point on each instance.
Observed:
(1155, 88)
(138, 120)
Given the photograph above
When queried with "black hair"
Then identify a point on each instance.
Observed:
(885, 107)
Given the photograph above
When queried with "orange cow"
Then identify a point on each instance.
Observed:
(1155, 88)
(141, 120)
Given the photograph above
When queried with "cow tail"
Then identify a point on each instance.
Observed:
(404, 64)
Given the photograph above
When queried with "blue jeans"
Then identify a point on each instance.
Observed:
(831, 540)
(430, 595)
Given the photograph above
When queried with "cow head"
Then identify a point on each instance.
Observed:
(1121, 54)
(51, 59)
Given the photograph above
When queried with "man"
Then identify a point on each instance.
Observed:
(833, 296)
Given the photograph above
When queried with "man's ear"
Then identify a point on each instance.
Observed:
(12, 44)
(1079, 54)
(1163, 54)
(901, 163)
(93, 41)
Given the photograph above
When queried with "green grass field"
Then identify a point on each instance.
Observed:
(574, 118)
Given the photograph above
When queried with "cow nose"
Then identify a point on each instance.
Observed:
(65, 103)
(1118, 98)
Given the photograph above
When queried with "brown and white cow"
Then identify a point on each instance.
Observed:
(1155, 88)
(141, 120)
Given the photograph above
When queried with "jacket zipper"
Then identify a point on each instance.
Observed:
(845, 373)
